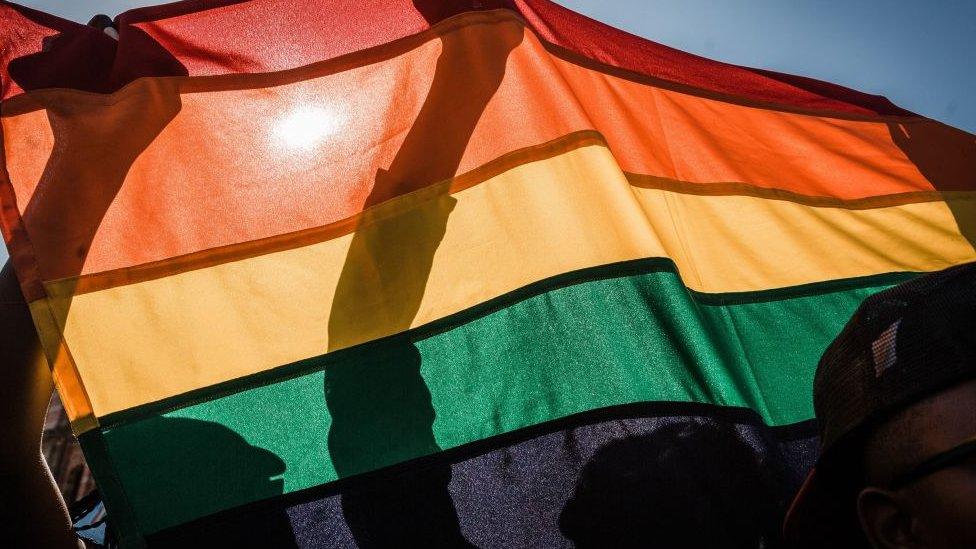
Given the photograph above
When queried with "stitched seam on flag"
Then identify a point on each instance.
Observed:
(670, 206)
(811, 289)
(204, 83)
(640, 410)
(103, 467)
(235, 252)
(340, 356)
(371, 55)
(732, 188)
(583, 61)
(60, 360)
(680, 234)
(604, 272)
(81, 421)
(361, 58)
(758, 399)
(112, 470)
(92, 282)
(105, 280)
(19, 246)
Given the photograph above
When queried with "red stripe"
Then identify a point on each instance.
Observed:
(614, 47)
(199, 38)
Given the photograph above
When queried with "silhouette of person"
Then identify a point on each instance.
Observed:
(207, 462)
(381, 407)
(694, 483)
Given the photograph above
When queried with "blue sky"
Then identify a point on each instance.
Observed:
(921, 55)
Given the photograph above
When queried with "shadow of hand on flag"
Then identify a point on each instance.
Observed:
(381, 411)
(96, 141)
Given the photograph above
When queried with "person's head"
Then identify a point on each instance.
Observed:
(920, 473)
(895, 397)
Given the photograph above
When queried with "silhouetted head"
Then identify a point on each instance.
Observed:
(435, 11)
(698, 483)
(197, 468)
(189, 460)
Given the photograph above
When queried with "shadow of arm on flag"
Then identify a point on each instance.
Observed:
(384, 410)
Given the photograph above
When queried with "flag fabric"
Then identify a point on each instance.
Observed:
(448, 272)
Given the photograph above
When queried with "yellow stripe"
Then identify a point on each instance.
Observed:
(150, 340)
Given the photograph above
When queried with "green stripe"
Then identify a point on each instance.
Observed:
(603, 342)
(601, 272)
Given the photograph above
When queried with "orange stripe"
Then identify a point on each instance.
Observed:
(93, 282)
(154, 172)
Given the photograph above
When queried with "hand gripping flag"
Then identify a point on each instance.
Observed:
(446, 273)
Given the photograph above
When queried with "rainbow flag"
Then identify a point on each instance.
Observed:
(446, 273)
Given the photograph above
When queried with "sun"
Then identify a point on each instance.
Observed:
(307, 126)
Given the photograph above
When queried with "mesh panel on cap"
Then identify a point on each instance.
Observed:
(902, 344)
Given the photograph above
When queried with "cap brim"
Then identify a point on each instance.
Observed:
(821, 517)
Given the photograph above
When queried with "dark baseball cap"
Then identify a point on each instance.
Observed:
(902, 345)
